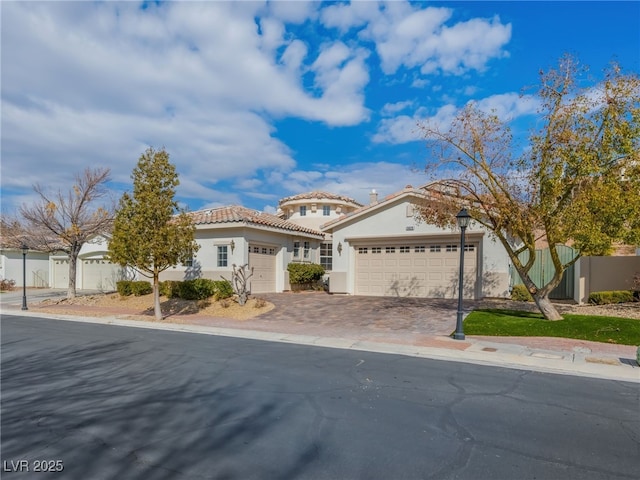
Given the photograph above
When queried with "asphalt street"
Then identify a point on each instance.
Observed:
(105, 402)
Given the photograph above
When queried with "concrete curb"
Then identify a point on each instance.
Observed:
(504, 355)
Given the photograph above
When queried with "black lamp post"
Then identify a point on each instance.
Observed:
(463, 218)
(25, 249)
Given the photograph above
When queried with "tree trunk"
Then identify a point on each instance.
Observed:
(546, 307)
(73, 267)
(156, 297)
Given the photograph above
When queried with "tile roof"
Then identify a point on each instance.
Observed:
(319, 195)
(238, 214)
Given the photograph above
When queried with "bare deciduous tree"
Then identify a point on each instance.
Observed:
(65, 221)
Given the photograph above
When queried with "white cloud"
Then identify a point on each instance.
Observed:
(509, 106)
(404, 128)
(391, 108)
(294, 11)
(412, 36)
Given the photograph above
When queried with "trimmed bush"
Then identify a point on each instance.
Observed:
(519, 293)
(304, 273)
(170, 288)
(124, 287)
(197, 289)
(141, 288)
(202, 288)
(129, 287)
(615, 296)
(223, 289)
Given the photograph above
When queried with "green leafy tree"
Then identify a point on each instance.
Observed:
(65, 221)
(577, 183)
(150, 233)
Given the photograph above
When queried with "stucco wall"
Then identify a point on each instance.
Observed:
(596, 274)
(37, 268)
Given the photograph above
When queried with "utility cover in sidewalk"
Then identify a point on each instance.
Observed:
(546, 355)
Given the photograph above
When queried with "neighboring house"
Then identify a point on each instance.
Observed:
(236, 235)
(93, 270)
(312, 209)
(382, 250)
(36, 262)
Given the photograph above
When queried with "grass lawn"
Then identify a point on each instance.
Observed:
(513, 323)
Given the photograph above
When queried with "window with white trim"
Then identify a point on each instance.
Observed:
(405, 249)
(326, 210)
(452, 248)
(363, 250)
(326, 255)
(435, 248)
(296, 249)
(306, 249)
(223, 256)
(303, 210)
(376, 249)
(419, 249)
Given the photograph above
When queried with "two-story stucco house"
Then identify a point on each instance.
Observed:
(312, 210)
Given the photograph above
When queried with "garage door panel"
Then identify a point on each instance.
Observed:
(100, 274)
(262, 259)
(412, 270)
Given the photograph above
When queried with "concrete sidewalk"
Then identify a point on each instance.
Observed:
(550, 355)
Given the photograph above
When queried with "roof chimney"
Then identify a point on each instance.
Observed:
(373, 197)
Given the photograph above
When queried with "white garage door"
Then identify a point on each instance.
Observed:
(414, 270)
(99, 274)
(262, 259)
(61, 274)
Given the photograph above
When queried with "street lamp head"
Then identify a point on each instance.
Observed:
(463, 218)
(25, 248)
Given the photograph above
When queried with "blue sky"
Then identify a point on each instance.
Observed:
(256, 101)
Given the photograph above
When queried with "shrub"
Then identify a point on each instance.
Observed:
(519, 293)
(260, 302)
(141, 288)
(197, 289)
(7, 285)
(305, 273)
(170, 288)
(223, 289)
(615, 296)
(124, 287)
(137, 288)
(201, 288)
